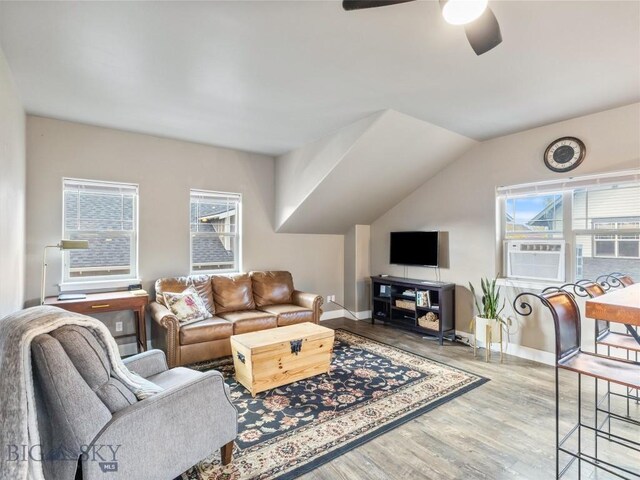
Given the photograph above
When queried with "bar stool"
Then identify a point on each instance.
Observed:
(605, 337)
(569, 356)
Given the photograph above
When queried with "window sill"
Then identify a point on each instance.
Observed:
(533, 284)
(96, 285)
(215, 272)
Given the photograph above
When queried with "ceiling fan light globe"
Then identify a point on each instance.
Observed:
(461, 12)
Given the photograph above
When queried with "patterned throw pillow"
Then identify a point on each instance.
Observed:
(186, 306)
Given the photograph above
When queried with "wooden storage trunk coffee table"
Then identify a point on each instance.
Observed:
(271, 358)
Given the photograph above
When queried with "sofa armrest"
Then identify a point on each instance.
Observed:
(163, 316)
(310, 301)
(147, 363)
(167, 320)
(145, 434)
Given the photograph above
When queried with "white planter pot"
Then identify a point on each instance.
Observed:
(481, 330)
(487, 327)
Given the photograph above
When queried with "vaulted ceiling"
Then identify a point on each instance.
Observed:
(271, 76)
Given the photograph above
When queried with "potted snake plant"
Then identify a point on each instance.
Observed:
(488, 321)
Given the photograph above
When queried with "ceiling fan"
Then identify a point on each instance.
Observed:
(480, 24)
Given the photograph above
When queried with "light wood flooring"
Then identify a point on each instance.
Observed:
(504, 429)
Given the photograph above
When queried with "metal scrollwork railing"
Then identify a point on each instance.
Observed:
(610, 280)
(574, 289)
(524, 308)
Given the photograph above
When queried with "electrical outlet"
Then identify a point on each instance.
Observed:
(118, 326)
(331, 298)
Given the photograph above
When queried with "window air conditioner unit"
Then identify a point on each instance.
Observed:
(536, 259)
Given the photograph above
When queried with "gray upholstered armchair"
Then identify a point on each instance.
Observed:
(158, 437)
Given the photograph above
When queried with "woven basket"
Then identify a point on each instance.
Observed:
(409, 305)
(430, 321)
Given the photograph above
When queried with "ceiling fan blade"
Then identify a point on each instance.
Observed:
(484, 33)
(360, 4)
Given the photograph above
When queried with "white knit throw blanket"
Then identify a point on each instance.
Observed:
(18, 418)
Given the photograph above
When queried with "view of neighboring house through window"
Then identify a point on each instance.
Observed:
(215, 231)
(596, 218)
(606, 221)
(106, 215)
(534, 215)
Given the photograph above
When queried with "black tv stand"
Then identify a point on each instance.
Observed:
(387, 290)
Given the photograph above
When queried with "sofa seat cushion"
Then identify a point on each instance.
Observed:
(250, 321)
(232, 293)
(174, 377)
(213, 328)
(271, 288)
(289, 314)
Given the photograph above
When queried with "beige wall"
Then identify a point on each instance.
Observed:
(357, 269)
(12, 193)
(350, 252)
(165, 171)
(460, 200)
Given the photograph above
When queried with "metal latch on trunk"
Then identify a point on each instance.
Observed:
(296, 346)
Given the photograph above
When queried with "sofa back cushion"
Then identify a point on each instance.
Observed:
(201, 283)
(272, 288)
(232, 293)
(92, 363)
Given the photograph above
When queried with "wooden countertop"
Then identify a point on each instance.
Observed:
(621, 306)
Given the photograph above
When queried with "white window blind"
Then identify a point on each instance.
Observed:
(215, 220)
(614, 179)
(106, 215)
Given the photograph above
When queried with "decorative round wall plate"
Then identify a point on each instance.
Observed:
(564, 154)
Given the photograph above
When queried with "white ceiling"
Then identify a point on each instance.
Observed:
(271, 76)
(373, 171)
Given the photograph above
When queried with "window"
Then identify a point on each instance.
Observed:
(533, 215)
(215, 220)
(106, 215)
(597, 217)
(617, 244)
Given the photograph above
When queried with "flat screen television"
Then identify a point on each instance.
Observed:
(414, 248)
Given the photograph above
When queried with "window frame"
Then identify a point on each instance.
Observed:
(567, 188)
(96, 282)
(237, 266)
(616, 233)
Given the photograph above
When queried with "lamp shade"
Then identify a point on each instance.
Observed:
(74, 244)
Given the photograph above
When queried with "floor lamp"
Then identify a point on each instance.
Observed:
(63, 245)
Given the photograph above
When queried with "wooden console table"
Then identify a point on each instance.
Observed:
(110, 302)
(389, 294)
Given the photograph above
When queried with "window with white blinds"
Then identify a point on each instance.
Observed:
(597, 219)
(106, 215)
(215, 229)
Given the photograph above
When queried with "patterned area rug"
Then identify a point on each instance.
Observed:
(290, 430)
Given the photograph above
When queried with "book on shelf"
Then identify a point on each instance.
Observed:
(423, 299)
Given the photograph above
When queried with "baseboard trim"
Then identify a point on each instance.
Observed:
(528, 353)
(339, 313)
(331, 314)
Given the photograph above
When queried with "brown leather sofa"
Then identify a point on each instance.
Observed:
(237, 303)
